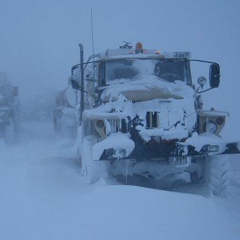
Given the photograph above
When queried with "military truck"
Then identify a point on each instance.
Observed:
(141, 114)
(9, 110)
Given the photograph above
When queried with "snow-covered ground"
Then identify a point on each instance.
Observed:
(42, 196)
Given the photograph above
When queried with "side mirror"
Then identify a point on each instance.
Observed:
(75, 77)
(214, 75)
(74, 84)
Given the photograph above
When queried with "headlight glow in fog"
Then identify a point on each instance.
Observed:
(211, 127)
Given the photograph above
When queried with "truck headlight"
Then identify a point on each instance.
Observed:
(100, 124)
(211, 127)
(100, 128)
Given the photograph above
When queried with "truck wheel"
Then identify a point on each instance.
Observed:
(9, 133)
(57, 125)
(216, 173)
(92, 170)
(197, 175)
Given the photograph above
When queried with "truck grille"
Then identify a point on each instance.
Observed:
(152, 120)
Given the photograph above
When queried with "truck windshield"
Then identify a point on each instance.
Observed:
(119, 71)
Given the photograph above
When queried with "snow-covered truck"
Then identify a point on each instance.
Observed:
(140, 114)
(9, 110)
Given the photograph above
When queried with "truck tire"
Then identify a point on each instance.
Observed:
(92, 170)
(197, 175)
(9, 133)
(216, 173)
(57, 125)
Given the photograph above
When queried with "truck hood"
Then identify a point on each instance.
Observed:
(173, 103)
(147, 89)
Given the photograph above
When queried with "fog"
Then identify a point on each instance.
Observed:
(43, 195)
(39, 39)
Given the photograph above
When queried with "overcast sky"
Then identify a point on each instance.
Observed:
(39, 38)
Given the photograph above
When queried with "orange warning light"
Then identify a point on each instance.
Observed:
(139, 48)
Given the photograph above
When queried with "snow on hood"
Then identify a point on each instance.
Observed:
(112, 110)
(178, 110)
(147, 88)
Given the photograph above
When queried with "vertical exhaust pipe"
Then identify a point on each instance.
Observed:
(82, 81)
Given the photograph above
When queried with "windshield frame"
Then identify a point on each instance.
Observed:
(102, 76)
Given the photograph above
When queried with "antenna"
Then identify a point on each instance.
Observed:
(92, 31)
(93, 55)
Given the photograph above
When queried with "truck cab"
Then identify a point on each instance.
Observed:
(140, 110)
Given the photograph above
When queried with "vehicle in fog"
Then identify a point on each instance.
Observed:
(9, 110)
(139, 113)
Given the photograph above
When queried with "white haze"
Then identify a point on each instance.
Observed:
(39, 39)
(42, 195)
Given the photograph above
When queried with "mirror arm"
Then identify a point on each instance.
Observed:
(197, 91)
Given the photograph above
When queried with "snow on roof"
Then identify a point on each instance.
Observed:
(130, 53)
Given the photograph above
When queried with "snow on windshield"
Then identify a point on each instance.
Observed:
(126, 70)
